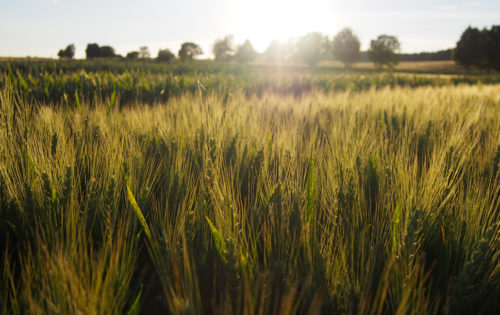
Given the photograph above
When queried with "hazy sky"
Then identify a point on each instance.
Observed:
(42, 27)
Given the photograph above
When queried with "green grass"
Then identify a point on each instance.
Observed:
(376, 200)
(67, 83)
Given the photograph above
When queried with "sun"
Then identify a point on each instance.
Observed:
(262, 21)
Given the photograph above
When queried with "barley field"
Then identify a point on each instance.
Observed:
(215, 190)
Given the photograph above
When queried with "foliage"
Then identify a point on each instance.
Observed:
(383, 51)
(96, 51)
(165, 55)
(493, 47)
(144, 52)
(245, 52)
(276, 52)
(132, 55)
(92, 51)
(439, 55)
(470, 47)
(107, 52)
(345, 47)
(311, 48)
(223, 48)
(68, 52)
(479, 48)
(189, 51)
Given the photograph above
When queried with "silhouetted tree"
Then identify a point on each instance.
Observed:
(144, 52)
(107, 52)
(245, 52)
(479, 48)
(427, 56)
(383, 51)
(133, 55)
(223, 48)
(165, 55)
(493, 47)
(279, 51)
(345, 47)
(93, 51)
(188, 51)
(470, 48)
(311, 48)
(68, 52)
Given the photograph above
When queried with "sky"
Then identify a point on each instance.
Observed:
(41, 27)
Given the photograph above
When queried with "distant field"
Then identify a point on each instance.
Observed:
(436, 66)
(207, 188)
(447, 66)
(69, 82)
(433, 66)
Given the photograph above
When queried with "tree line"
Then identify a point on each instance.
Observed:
(188, 51)
(476, 48)
(314, 47)
(479, 48)
(428, 56)
(309, 49)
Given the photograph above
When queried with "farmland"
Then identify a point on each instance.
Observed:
(226, 189)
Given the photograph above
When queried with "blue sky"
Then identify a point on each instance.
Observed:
(42, 27)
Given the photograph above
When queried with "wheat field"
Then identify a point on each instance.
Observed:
(375, 201)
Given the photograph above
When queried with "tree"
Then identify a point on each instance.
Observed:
(470, 48)
(165, 55)
(383, 51)
(68, 52)
(144, 52)
(107, 52)
(345, 47)
(133, 55)
(93, 51)
(275, 52)
(311, 48)
(223, 48)
(245, 52)
(493, 47)
(280, 51)
(479, 48)
(188, 51)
